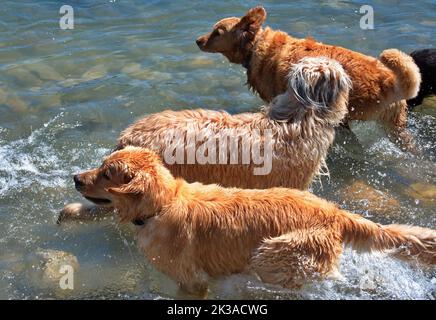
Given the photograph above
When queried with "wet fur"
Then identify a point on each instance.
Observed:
(303, 130)
(380, 86)
(284, 236)
(302, 121)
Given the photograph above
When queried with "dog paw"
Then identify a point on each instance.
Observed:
(71, 211)
(196, 289)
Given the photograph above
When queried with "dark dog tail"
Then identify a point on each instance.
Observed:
(425, 59)
(316, 84)
(406, 71)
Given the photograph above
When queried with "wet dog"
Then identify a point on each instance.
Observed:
(293, 134)
(192, 231)
(425, 59)
(380, 86)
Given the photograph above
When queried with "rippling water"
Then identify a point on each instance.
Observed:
(66, 94)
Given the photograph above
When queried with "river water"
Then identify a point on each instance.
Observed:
(66, 94)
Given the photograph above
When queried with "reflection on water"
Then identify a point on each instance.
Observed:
(66, 94)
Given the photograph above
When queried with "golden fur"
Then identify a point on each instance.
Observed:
(380, 86)
(302, 132)
(301, 121)
(193, 231)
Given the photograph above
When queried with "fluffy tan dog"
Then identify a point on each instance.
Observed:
(301, 122)
(380, 86)
(293, 134)
(192, 231)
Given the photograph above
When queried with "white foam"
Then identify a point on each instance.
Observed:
(363, 276)
(34, 159)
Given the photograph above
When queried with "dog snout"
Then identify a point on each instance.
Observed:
(200, 41)
(78, 182)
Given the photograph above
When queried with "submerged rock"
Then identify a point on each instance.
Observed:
(46, 266)
(71, 82)
(360, 196)
(96, 72)
(131, 68)
(16, 104)
(151, 75)
(41, 271)
(49, 101)
(201, 62)
(423, 192)
(24, 77)
(427, 107)
(44, 71)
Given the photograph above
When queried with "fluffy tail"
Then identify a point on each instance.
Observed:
(406, 71)
(319, 84)
(405, 242)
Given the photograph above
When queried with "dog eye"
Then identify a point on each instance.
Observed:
(218, 32)
(128, 178)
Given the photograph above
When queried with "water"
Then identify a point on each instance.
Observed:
(66, 94)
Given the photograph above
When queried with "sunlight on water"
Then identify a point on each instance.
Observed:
(66, 94)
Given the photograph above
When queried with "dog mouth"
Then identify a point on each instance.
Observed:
(204, 48)
(202, 45)
(99, 201)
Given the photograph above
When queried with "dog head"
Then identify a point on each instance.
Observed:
(233, 36)
(132, 180)
(316, 84)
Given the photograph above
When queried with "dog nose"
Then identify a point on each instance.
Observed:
(199, 42)
(77, 181)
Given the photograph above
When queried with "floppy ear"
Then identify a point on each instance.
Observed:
(253, 20)
(136, 186)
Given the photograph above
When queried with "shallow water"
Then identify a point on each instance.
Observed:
(66, 94)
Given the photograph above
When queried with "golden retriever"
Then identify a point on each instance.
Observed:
(192, 231)
(300, 124)
(380, 86)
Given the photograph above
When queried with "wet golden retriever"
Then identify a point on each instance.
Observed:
(192, 231)
(293, 135)
(380, 86)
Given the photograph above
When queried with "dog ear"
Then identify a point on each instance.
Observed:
(253, 20)
(136, 186)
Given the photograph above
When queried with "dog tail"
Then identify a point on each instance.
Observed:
(406, 71)
(425, 59)
(319, 84)
(404, 242)
(318, 81)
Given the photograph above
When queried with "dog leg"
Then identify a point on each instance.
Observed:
(198, 289)
(81, 212)
(346, 138)
(192, 282)
(395, 123)
(295, 258)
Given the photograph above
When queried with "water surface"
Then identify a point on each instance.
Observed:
(66, 94)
